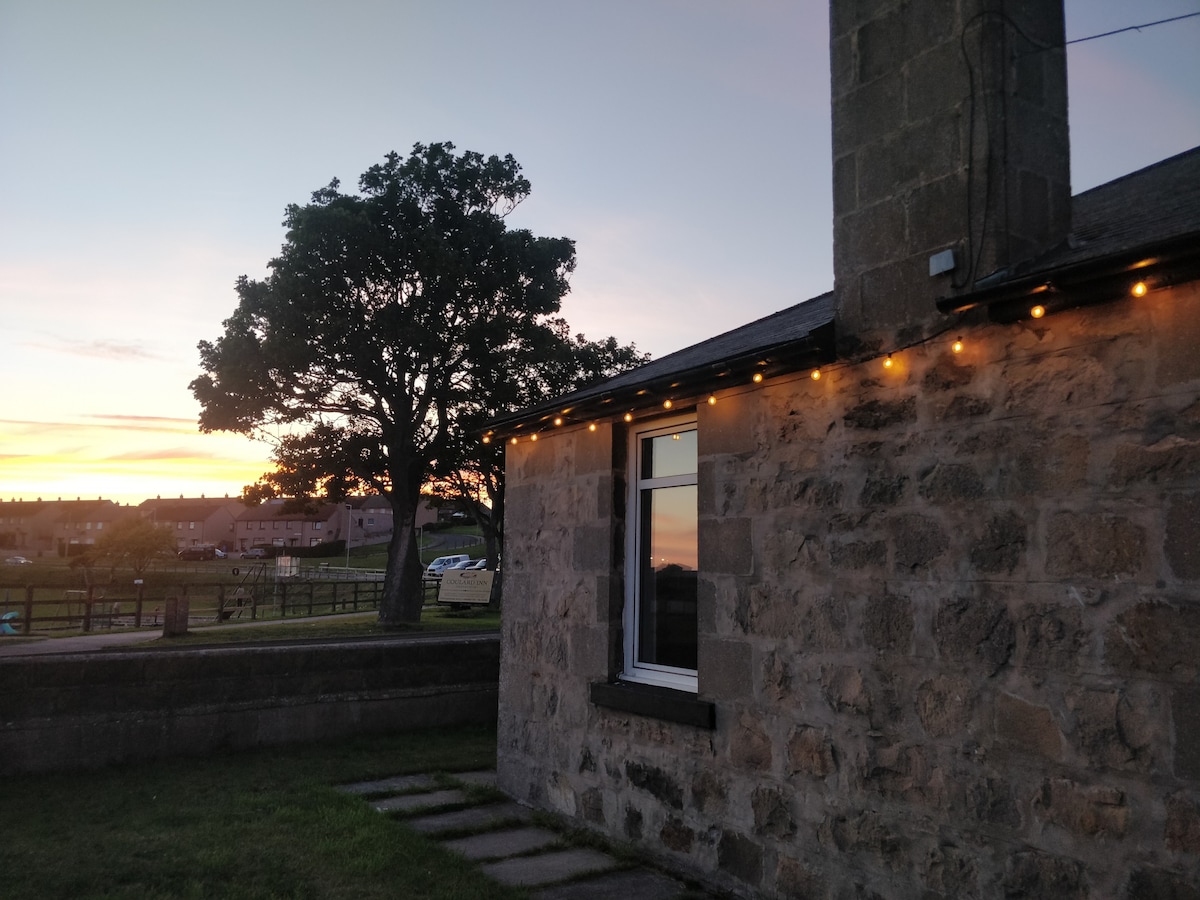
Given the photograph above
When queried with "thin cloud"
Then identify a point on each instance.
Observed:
(170, 453)
(121, 351)
(152, 424)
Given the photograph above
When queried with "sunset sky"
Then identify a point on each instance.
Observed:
(148, 150)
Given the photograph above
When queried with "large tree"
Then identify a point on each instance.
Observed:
(380, 320)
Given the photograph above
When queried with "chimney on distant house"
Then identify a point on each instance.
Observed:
(951, 157)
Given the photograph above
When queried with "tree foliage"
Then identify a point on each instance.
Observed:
(380, 322)
(550, 362)
(133, 542)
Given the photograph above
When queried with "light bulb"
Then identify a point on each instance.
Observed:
(957, 346)
(712, 399)
(533, 437)
(667, 404)
(487, 439)
(592, 426)
(816, 375)
(558, 420)
(628, 417)
(1139, 289)
(757, 378)
(513, 441)
(887, 363)
(1038, 311)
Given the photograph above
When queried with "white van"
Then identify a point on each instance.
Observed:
(444, 562)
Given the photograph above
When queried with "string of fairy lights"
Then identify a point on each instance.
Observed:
(888, 359)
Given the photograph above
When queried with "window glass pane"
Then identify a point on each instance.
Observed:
(669, 454)
(667, 558)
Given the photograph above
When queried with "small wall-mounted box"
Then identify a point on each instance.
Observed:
(941, 262)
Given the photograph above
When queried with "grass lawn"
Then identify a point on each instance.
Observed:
(266, 824)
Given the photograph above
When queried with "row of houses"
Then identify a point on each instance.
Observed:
(67, 527)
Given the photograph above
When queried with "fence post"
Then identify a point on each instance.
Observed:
(137, 606)
(282, 599)
(28, 623)
(311, 588)
(356, 596)
(87, 609)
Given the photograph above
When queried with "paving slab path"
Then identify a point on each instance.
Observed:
(497, 835)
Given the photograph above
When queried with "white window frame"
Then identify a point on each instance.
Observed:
(635, 671)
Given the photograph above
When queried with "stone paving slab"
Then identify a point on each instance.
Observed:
(475, 818)
(396, 785)
(412, 802)
(634, 884)
(509, 842)
(482, 779)
(545, 868)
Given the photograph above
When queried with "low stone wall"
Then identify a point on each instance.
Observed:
(84, 711)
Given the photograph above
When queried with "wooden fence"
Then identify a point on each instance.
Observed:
(55, 608)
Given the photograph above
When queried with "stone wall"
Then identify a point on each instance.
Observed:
(66, 712)
(949, 622)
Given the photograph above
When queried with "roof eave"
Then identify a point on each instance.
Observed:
(1086, 282)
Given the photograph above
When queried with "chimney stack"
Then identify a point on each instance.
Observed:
(949, 133)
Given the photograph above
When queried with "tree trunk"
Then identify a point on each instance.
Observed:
(403, 595)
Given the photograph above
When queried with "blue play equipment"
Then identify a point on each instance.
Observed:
(5, 628)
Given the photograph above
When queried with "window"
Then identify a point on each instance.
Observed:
(317, 526)
(661, 556)
(191, 526)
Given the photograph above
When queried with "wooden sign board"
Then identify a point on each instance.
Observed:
(466, 586)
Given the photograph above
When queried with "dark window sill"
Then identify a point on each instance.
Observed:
(655, 702)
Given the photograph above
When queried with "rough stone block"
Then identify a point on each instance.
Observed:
(1156, 884)
(1094, 545)
(1182, 832)
(1114, 730)
(945, 704)
(888, 623)
(976, 632)
(810, 752)
(655, 781)
(1031, 874)
(1182, 544)
(1157, 638)
(750, 745)
(675, 835)
(740, 857)
(1185, 712)
(1001, 547)
(1092, 811)
(845, 690)
(951, 483)
(1027, 727)
(725, 671)
(772, 813)
(878, 414)
(1172, 459)
(726, 546)
(882, 489)
(1050, 637)
(918, 541)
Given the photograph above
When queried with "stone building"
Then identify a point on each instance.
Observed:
(927, 625)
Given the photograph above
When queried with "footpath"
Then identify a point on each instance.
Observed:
(501, 837)
(105, 640)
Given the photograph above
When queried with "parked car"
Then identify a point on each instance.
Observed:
(465, 564)
(198, 552)
(442, 563)
(477, 564)
(255, 553)
(18, 561)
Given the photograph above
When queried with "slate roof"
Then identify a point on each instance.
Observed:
(797, 336)
(1149, 216)
(1152, 214)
